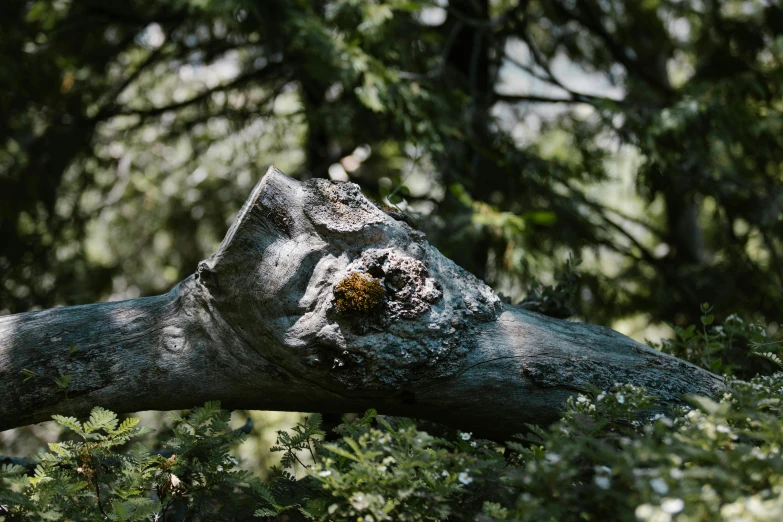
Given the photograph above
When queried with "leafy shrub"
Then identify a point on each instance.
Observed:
(728, 349)
(608, 458)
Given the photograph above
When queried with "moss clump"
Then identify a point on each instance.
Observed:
(358, 293)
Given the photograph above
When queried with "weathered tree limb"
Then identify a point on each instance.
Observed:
(317, 300)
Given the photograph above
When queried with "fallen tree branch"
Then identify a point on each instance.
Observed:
(317, 300)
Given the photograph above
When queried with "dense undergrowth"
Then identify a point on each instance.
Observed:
(612, 456)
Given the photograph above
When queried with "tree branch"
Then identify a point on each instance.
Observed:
(270, 70)
(318, 301)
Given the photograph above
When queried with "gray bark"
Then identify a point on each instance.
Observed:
(317, 300)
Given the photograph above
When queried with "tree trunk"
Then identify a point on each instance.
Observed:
(318, 301)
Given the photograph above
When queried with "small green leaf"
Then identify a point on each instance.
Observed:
(337, 450)
(708, 405)
(69, 422)
(63, 381)
(101, 418)
(29, 374)
(541, 217)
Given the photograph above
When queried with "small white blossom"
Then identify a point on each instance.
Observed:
(601, 396)
(220, 468)
(324, 473)
(444, 473)
(474, 443)
(581, 399)
(466, 436)
(554, 458)
(620, 398)
(603, 482)
(359, 501)
(644, 511)
(659, 486)
(465, 478)
(757, 454)
(672, 505)
(389, 460)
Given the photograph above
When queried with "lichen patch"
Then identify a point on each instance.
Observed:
(358, 293)
(340, 207)
(408, 288)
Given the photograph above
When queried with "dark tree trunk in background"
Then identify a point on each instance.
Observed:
(469, 69)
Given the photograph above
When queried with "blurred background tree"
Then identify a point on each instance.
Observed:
(643, 136)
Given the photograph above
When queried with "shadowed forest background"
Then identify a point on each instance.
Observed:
(643, 137)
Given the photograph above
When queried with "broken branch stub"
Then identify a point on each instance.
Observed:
(317, 300)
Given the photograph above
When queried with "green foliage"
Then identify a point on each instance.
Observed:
(725, 348)
(141, 129)
(92, 478)
(614, 455)
(558, 300)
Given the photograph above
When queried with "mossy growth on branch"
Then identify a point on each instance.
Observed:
(358, 293)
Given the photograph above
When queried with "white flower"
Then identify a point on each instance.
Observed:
(659, 486)
(359, 501)
(554, 458)
(603, 482)
(369, 518)
(220, 468)
(644, 511)
(464, 478)
(722, 428)
(474, 443)
(672, 505)
(444, 473)
(466, 436)
(756, 453)
(324, 473)
(601, 396)
(581, 399)
(620, 398)
(389, 460)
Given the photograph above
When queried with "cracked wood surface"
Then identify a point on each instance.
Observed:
(317, 300)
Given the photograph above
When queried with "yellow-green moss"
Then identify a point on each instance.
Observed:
(358, 293)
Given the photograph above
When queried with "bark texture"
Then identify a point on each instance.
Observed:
(317, 300)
